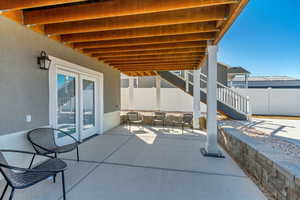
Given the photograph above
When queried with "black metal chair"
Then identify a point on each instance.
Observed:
(134, 118)
(159, 117)
(21, 178)
(187, 119)
(43, 142)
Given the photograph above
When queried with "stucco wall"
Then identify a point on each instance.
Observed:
(24, 87)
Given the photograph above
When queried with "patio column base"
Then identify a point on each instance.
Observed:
(214, 155)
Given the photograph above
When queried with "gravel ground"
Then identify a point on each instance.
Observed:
(289, 148)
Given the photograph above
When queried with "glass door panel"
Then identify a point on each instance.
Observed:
(67, 104)
(88, 106)
(88, 103)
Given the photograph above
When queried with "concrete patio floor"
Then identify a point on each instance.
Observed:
(152, 163)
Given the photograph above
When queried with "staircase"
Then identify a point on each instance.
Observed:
(229, 102)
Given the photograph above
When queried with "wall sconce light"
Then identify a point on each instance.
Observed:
(44, 61)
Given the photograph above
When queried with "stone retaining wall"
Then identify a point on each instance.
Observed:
(276, 174)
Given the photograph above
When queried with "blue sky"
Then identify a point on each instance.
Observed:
(265, 39)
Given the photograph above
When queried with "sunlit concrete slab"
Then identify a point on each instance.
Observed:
(47, 190)
(172, 153)
(115, 182)
(159, 131)
(97, 148)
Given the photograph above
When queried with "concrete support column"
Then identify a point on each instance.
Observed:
(196, 98)
(212, 132)
(158, 82)
(131, 93)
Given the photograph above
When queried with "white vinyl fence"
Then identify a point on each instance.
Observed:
(172, 99)
(263, 101)
(273, 101)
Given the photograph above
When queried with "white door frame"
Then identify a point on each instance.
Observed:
(57, 64)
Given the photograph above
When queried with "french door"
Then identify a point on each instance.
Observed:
(76, 104)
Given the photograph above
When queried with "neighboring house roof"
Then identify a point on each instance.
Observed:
(237, 70)
(267, 78)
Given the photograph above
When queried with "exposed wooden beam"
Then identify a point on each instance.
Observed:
(147, 57)
(146, 40)
(142, 32)
(147, 47)
(151, 52)
(140, 21)
(161, 68)
(126, 66)
(113, 9)
(22, 4)
(153, 61)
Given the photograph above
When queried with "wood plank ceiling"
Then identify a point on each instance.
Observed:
(137, 37)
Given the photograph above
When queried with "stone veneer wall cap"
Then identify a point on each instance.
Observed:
(286, 165)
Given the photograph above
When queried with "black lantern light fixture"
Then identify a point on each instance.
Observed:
(44, 61)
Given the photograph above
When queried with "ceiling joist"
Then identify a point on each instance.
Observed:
(140, 21)
(113, 8)
(146, 40)
(146, 47)
(142, 32)
(23, 4)
(151, 52)
(154, 57)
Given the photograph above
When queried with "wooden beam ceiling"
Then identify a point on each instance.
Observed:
(113, 9)
(136, 36)
(142, 32)
(177, 45)
(22, 4)
(150, 52)
(146, 40)
(140, 21)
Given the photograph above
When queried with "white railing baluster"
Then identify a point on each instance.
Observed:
(226, 95)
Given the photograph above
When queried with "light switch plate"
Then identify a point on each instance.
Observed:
(28, 118)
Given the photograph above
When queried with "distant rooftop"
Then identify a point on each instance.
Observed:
(267, 78)
(237, 70)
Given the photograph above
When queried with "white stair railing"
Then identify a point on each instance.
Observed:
(226, 95)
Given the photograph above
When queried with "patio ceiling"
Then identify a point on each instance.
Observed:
(137, 37)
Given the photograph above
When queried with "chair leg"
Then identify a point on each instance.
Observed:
(54, 177)
(4, 191)
(12, 194)
(63, 185)
(31, 162)
(182, 127)
(77, 151)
